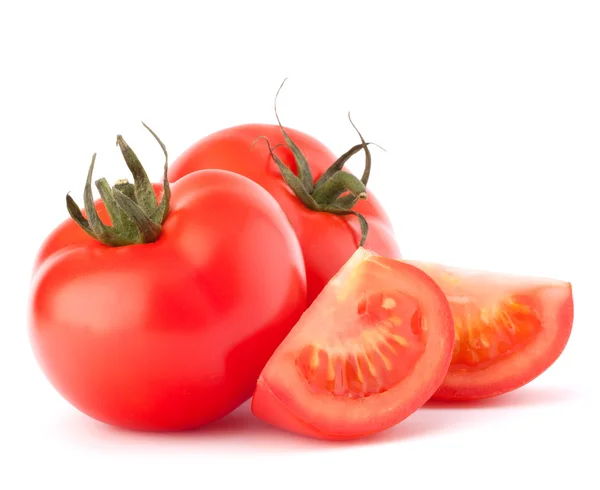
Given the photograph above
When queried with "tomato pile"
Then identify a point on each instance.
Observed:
(262, 268)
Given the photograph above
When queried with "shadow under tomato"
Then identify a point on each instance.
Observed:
(241, 432)
(238, 432)
(262, 436)
(529, 396)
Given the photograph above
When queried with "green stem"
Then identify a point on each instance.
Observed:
(109, 201)
(143, 187)
(336, 191)
(304, 172)
(337, 185)
(135, 215)
(149, 230)
(103, 233)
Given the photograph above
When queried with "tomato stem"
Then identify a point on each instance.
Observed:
(337, 185)
(304, 172)
(336, 191)
(136, 216)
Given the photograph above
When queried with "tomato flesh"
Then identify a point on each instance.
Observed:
(485, 335)
(370, 350)
(508, 329)
(384, 341)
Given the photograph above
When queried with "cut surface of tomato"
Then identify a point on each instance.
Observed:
(371, 349)
(508, 329)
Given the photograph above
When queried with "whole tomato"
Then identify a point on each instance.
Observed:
(330, 210)
(160, 316)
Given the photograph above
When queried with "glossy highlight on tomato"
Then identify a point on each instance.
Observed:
(371, 349)
(172, 334)
(508, 329)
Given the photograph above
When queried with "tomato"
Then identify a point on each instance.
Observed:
(171, 333)
(371, 349)
(327, 239)
(509, 329)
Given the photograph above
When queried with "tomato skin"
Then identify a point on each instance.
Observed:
(173, 334)
(327, 240)
(285, 399)
(553, 298)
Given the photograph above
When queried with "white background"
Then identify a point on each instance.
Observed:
(490, 114)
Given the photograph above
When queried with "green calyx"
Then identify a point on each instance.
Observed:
(336, 191)
(134, 211)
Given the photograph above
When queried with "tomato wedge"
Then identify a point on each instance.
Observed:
(509, 329)
(371, 349)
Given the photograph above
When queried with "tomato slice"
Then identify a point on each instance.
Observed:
(371, 349)
(509, 329)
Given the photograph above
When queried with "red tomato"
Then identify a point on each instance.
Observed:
(327, 240)
(170, 334)
(509, 329)
(370, 350)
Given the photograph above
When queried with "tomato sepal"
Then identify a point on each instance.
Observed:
(136, 216)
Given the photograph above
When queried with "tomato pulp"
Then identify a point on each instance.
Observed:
(371, 349)
(508, 329)
(171, 334)
(327, 240)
